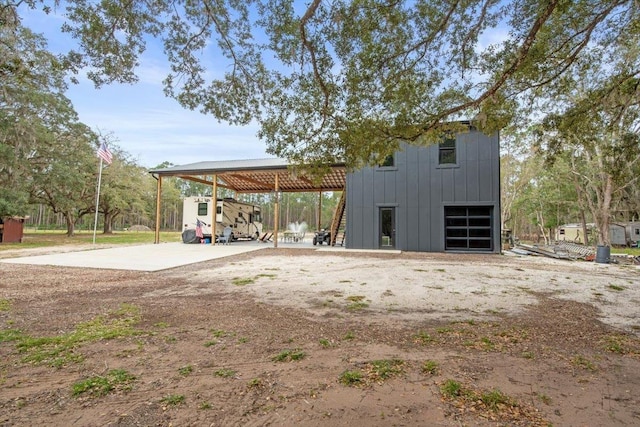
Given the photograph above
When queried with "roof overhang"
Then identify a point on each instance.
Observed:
(258, 175)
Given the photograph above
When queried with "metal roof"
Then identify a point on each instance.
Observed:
(257, 175)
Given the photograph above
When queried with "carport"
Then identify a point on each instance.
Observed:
(274, 176)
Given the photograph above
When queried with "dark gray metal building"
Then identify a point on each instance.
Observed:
(443, 197)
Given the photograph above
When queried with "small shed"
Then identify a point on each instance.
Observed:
(617, 234)
(633, 233)
(11, 229)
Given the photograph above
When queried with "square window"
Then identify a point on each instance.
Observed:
(202, 209)
(388, 161)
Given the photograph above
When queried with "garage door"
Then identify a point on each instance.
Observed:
(468, 228)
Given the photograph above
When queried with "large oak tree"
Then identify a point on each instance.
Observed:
(346, 79)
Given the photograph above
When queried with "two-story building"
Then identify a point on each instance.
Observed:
(442, 197)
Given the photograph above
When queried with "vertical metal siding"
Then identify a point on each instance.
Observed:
(420, 189)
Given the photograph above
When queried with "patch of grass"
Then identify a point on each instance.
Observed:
(543, 398)
(584, 363)
(351, 378)
(349, 336)
(289, 355)
(423, 338)
(185, 370)
(616, 344)
(255, 383)
(440, 270)
(444, 330)
(161, 325)
(210, 343)
(357, 306)
(170, 340)
(173, 399)
(224, 373)
(8, 335)
(241, 281)
(115, 380)
(205, 406)
(356, 298)
(616, 288)
(494, 398)
(386, 368)
(325, 343)
(271, 276)
(5, 304)
(62, 349)
(243, 340)
(430, 367)
(451, 389)
(48, 238)
(488, 344)
(218, 333)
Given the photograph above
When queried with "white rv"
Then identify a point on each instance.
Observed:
(244, 219)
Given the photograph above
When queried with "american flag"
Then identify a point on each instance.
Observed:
(199, 229)
(104, 153)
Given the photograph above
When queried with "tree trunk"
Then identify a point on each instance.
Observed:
(108, 223)
(71, 224)
(585, 232)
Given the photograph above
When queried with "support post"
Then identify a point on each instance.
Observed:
(276, 213)
(214, 211)
(319, 216)
(158, 198)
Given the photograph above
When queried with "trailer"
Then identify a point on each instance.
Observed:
(244, 219)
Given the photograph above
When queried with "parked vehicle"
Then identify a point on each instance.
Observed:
(322, 236)
(244, 219)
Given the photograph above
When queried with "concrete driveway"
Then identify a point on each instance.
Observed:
(140, 258)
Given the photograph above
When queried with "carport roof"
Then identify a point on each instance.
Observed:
(256, 175)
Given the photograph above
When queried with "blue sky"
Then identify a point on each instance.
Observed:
(149, 126)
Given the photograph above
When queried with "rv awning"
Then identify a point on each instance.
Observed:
(257, 176)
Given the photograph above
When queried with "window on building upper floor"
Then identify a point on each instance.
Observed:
(447, 150)
(388, 161)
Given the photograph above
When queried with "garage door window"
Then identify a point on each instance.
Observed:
(468, 228)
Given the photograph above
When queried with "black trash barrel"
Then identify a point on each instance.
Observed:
(603, 254)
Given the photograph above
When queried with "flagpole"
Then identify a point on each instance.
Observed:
(95, 222)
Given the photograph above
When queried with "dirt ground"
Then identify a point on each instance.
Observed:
(304, 338)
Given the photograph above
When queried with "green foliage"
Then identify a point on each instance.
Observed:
(241, 281)
(384, 369)
(185, 370)
(225, 373)
(430, 367)
(289, 355)
(62, 349)
(351, 79)
(351, 378)
(115, 380)
(451, 389)
(173, 399)
(5, 304)
(423, 338)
